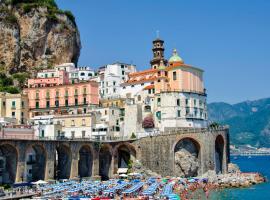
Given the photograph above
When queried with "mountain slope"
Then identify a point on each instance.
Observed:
(249, 121)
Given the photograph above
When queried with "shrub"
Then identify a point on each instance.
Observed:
(133, 136)
(70, 16)
(148, 122)
(214, 125)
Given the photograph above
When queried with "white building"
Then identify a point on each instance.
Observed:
(108, 124)
(82, 73)
(111, 76)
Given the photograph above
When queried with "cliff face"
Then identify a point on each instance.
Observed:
(35, 37)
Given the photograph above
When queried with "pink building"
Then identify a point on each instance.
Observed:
(17, 132)
(62, 98)
(49, 78)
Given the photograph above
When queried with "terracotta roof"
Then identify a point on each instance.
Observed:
(149, 87)
(179, 64)
(148, 71)
(139, 81)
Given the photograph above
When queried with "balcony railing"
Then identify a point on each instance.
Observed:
(61, 106)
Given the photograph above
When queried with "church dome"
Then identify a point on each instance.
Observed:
(175, 57)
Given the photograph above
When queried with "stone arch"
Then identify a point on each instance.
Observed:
(85, 161)
(124, 154)
(62, 162)
(219, 154)
(8, 163)
(187, 157)
(105, 160)
(35, 162)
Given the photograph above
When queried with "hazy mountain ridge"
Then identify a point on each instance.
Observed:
(249, 121)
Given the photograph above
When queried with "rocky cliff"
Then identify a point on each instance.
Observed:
(36, 35)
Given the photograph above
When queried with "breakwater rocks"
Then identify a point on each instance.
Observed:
(234, 179)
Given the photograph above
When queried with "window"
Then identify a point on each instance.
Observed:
(123, 72)
(82, 74)
(132, 86)
(114, 90)
(149, 91)
(47, 104)
(37, 104)
(187, 111)
(174, 76)
(4, 103)
(89, 74)
(158, 80)
(105, 112)
(158, 115)
(56, 103)
(66, 93)
(72, 123)
(83, 122)
(84, 90)
(178, 102)
(166, 73)
(57, 94)
(13, 104)
(122, 66)
(178, 113)
(142, 84)
(46, 75)
(37, 95)
(139, 98)
(83, 134)
(13, 114)
(66, 102)
(76, 92)
(73, 134)
(76, 102)
(117, 122)
(112, 112)
(22, 104)
(22, 114)
(158, 101)
(84, 101)
(195, 102)
(124, 87)
(42, 133)
(114, 83)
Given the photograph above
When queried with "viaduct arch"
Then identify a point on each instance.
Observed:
(164, 154)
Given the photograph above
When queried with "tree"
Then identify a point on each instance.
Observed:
(214, 125)
(148, 122)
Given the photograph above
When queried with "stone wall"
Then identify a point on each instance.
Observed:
(155, 153)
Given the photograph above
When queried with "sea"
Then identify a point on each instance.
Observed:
(248, 164)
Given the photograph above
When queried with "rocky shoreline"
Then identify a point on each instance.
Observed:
(233, 179)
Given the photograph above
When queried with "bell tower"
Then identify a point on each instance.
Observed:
(158, 54)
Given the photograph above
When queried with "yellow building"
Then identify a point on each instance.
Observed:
(78, 125)
(14, 106)
(119, 102)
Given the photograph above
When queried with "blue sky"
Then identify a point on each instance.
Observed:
(229, 39)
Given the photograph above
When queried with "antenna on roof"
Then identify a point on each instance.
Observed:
(157, 32)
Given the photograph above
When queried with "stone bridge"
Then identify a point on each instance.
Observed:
(178, 153)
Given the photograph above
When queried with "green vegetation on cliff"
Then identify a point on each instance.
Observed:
(53, 10)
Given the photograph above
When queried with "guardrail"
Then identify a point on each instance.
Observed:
(172, 131)
(23, 137)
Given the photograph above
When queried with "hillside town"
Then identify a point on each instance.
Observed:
(111, 102)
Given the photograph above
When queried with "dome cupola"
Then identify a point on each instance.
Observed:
(175, 57)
